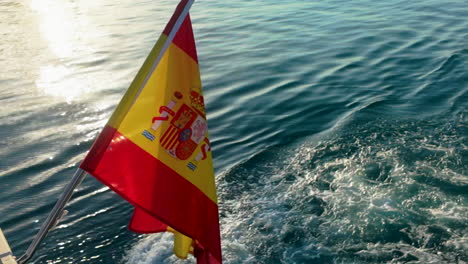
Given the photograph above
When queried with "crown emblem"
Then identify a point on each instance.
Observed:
(198, 103)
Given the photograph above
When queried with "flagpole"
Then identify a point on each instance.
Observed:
(54, 215)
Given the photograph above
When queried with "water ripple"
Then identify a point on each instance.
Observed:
(338, 127)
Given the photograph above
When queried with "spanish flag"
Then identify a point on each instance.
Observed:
(155, 152)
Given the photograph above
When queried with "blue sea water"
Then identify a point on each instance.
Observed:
(339, 128)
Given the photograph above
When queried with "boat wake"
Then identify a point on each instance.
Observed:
(369, 192)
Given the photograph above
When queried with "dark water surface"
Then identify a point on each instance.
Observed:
(339, 128)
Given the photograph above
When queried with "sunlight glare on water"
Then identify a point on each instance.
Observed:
(68, 35)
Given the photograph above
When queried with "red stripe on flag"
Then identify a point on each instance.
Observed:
(180, 7)
(98, 149)
(152, 186)
(142, 222)
(185, 40)
(184, 36)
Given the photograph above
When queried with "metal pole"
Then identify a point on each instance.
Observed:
(54, 215)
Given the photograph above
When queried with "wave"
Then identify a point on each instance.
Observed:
(375, 192)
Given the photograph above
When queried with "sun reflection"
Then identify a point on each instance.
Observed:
(58, 25)
(58, 81)
(66, 31)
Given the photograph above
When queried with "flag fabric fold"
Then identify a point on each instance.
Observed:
(155, 152)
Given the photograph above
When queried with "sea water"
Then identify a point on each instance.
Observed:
(339, 128)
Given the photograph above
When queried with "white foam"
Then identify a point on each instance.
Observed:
(155, 248)
(355, 199)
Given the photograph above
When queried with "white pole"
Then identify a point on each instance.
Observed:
(54, 215)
